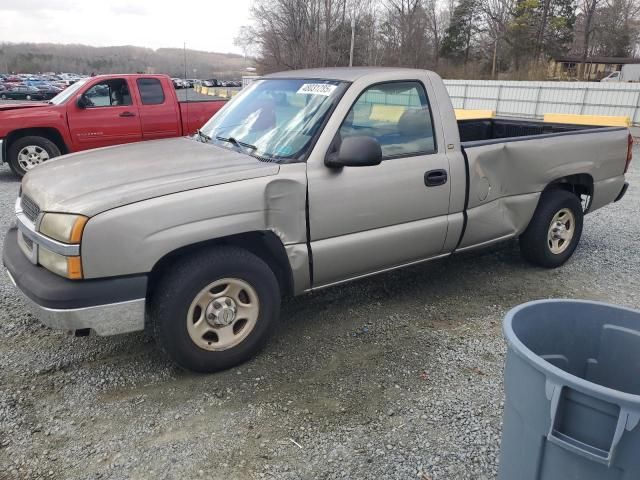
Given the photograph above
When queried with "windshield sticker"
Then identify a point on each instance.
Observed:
(325, 89)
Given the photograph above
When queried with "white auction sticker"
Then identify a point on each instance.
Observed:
(325, 89)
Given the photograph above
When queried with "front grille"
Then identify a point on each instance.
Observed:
(29, 208)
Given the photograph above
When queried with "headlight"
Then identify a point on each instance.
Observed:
(64, 227)
(68, 267)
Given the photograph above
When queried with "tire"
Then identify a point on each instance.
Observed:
(558, 214)
(171, 313)
(4, 97)
(44, 148)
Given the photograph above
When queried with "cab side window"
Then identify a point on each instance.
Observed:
(110, 93)
(397, 115)
(151, 92)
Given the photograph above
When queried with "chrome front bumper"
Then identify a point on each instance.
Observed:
(109, 319)
(107, 306)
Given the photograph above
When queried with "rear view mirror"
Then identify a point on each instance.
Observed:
(359, 151)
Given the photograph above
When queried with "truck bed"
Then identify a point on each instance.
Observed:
(509, 162)
(194, 114)
(492, 129)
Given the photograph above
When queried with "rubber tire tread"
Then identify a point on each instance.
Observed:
(533, 242)
(169, 303)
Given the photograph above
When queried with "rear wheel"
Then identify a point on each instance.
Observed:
(554, 231)
(29, 152)
(214, 309)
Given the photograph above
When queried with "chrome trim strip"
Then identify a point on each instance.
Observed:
(28, 229)
(1, 151)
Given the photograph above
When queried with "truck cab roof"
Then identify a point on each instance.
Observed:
(346, 74)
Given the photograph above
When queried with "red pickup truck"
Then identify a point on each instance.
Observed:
(97, 112)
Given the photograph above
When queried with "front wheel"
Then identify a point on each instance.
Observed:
(29, 152)
(214, 309)
(554, 231)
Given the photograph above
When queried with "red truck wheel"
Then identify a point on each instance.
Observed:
(28, 152)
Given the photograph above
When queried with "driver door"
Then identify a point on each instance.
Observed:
(371, 218)
(110, 116)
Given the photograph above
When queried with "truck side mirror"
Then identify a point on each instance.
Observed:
(360, 151)
(81, 102)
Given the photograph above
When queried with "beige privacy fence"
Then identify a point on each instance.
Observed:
(535, 99)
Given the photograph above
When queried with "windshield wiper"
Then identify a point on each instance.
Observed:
(204, 138)
(236, 142)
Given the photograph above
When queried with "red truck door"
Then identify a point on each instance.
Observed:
(159, 113)
(109, 116)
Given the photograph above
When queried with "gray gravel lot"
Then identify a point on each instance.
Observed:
(395, 377)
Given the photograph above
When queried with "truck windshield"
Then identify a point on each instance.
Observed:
(275, 119)
(68, 92)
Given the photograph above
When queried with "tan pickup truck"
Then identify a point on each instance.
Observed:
(306, 179)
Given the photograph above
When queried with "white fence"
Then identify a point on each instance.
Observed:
(534, 99)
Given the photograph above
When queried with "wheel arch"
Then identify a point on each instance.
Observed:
(579, 184)
(50, 133)
(263, 243)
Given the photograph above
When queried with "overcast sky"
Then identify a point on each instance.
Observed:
(209, 25)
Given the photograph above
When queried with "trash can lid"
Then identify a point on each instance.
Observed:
(554, 374)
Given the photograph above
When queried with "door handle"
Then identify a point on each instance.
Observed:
(127, 114)
(433, 178)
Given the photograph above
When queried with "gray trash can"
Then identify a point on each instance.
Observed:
(572, 385)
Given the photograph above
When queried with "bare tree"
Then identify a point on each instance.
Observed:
(496, 14)
(588, 11)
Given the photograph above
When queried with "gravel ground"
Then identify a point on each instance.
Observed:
(395, 377)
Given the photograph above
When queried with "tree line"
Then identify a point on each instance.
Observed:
(84, 59)
(458, 38)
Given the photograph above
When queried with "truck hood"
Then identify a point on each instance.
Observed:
(91, 182)
(22, 106)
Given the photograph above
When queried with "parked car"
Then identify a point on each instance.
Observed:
(48, 91)
(96, 112)
(177, 83)
(309, 179)
(22, 92)
(13, 79)
(33, 82)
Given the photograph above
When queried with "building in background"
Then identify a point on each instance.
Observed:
(568, 67)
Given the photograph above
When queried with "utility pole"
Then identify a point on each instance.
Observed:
(353, 38)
